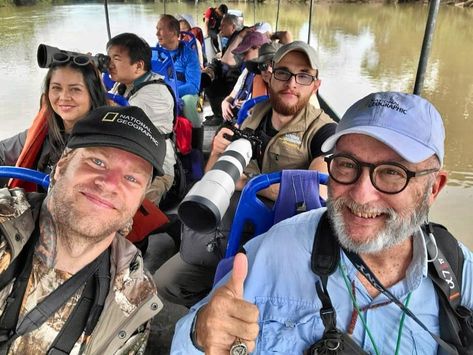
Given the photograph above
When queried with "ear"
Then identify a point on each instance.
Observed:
(438, 185)
(140, 65)
(317, 83)
(59, 168)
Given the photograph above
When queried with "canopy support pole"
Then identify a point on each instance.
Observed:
(310, 21)
(426, 46)
(107, 19)
(277, 15)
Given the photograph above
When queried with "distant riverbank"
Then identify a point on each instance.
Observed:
(459, 3)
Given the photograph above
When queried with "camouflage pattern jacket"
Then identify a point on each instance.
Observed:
(123, 326)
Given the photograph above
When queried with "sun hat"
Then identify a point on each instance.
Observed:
(251, 39)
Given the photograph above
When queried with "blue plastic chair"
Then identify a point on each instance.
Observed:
(298, 191)
(247, 105)
(26, 174)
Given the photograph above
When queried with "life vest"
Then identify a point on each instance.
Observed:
(259, 86)
(29, 155)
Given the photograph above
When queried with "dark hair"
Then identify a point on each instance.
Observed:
(98, 97)
(138, 49)
(171, 23)
(223, 9)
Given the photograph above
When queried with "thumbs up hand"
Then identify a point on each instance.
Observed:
(227, 317)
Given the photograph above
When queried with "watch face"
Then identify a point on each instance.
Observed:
(239, 349)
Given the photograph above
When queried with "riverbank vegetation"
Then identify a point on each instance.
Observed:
(459, 3)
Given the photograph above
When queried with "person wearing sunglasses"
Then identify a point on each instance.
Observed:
(72, 87)
(249, 50)
(292, 131)
(384, 283)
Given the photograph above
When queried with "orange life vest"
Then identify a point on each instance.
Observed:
(29, 155)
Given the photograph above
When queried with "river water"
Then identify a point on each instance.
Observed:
(362, 48)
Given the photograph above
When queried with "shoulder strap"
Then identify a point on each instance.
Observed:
(87, 311)
(325, 252)
(445, 271)
(157, 81)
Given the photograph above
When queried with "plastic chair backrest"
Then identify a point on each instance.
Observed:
(298, 192)
(26, 174)
(189, 39)
(248, 104)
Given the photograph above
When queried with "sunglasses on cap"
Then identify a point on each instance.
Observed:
(263, 66)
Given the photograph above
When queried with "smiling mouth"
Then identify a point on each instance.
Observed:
(365, 214)
(98, 201)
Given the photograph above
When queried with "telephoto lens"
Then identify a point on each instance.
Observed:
(207, 201)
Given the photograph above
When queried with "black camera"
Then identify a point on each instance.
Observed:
(249, 135)
(47, 55)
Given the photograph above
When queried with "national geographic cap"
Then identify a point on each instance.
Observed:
(127, 128)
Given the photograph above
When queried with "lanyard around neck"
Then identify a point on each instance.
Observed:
(373, 280)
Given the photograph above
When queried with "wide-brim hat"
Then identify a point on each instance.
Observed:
(265, 54)
(251, 39)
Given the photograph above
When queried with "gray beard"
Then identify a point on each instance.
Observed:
(397, 229)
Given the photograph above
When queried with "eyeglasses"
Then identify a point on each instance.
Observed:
(389, 177)
(263, 66)
(79, 59)
(301, 78)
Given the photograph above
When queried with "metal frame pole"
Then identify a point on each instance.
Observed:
(310, 21)
(426, 46)
(107, 19)
(277, 15)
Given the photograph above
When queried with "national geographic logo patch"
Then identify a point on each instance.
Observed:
(110, 117)
(291, 139)
(391, 104)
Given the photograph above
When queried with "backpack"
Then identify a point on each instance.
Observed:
(456, 321)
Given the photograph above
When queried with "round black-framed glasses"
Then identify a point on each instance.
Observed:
(387, 177)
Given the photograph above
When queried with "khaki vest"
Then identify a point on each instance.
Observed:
(290, 147)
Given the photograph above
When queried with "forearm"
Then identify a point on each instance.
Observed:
(211, 161)
(270, 192)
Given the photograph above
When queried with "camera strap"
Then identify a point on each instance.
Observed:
(9, 327)
(456, 325)
(373, 280)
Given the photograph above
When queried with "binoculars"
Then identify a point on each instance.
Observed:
(47, 55)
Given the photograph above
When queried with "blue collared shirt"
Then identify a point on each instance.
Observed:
(281, 283)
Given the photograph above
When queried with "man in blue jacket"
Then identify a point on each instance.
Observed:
(186, 63)
(385, 173)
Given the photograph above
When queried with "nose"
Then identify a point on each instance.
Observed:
(362, 191)
(108, 180)
(291, 82)
(65, 95)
